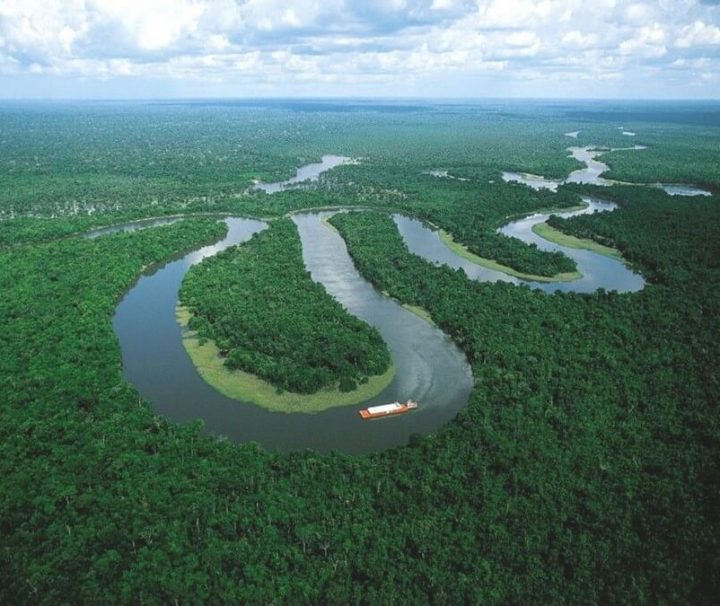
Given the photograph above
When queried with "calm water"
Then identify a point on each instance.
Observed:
(598, 271)
(593, 167)
(309, 172)
(591, 174)
(131, 226)
(536, 182)
(430, 368)
(683, 190)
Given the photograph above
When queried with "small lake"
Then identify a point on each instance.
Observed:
(683, 190)
(309, 172)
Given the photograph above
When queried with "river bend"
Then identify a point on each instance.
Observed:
(430, 368)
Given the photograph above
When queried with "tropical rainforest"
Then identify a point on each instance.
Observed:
(584, 468)
(264, 312)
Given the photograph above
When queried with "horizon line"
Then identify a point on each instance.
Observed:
(358, 98)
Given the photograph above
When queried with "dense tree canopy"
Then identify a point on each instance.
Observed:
(583, 470)
(260, 306)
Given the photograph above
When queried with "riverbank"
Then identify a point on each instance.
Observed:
(420, 312)
(551, 234)
(462, 251)
(247, 387)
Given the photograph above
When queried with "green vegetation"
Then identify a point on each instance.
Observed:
(555, 235)
(584, 469)
(462, 251)
(244, 386)
(267, 317)
(691, 221)
(659, 162)
(593, 400)
(115, 162)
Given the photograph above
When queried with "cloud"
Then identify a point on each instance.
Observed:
(698, 34)
(399, 43)
(576, 39)
(646, 42)
(638, 14)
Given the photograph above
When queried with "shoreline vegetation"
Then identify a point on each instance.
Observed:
(420, 312)
(462, 251)
(556, 236)
(274, 330)
(244, 386)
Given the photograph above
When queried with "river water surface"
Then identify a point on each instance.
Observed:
(429, 366)
(591, 174)
(309, 172)
(132, 226)
(598, 271)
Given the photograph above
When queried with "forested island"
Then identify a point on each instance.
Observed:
(583, 467)
(267, 317)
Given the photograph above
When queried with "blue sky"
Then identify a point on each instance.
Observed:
(371, 48)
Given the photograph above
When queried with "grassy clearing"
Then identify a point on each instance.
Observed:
(554, 235)
(247, 387)
(463, 252)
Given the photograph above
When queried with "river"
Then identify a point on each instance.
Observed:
(598, 271)
(591, 174)
(430, 368)
(309, 172)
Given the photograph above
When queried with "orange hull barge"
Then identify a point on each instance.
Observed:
(387, 410)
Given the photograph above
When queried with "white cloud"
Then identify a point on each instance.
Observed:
(576, 39)
(522, 39)
(152, 24)
(638, 14)
(698, 34)
(389, 41)
(39, 29)
(647, 42)
(521, 13)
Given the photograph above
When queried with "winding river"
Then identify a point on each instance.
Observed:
(309, 172)
(429, 366)
(597, 270)
(591, 174)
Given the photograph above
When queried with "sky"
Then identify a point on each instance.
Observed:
(365, 48)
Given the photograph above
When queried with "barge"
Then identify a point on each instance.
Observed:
(387, 410)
